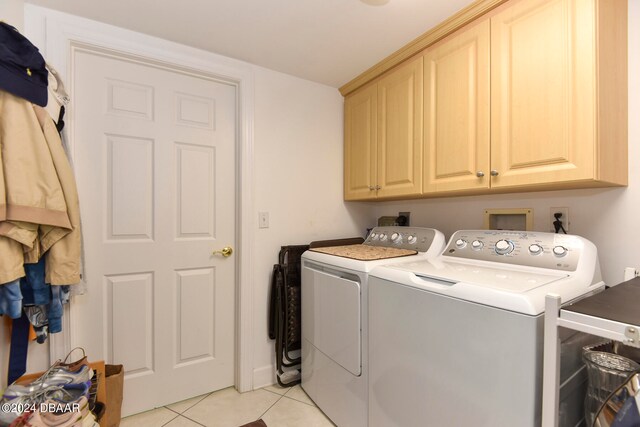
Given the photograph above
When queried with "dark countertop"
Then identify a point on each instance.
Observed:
(620, 303)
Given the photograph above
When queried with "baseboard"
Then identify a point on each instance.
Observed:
(264, 376)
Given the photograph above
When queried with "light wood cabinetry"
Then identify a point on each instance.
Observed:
(360, 143)
(530, 96)
(547, 74)
(456, 123)
(383, 136)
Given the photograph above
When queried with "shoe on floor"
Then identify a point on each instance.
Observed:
(61, 415)
(54, 396)
(56, 375)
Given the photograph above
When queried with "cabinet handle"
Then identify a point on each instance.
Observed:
(378, 187)
(479, 174)
(494, 172)
(371, 188)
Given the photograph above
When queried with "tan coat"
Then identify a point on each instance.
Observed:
(39, 207)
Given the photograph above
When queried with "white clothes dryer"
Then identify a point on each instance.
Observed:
(334, 316)
(457, 340)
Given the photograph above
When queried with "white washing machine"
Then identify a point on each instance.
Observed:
(334, 316)
(458, 340)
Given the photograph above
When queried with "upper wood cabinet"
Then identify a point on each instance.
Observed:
(559, 94)
(531, 95)
(456, 120)
(360, 143)
(383, 136)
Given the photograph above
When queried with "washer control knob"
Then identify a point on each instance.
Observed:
(504, 247)
(412, 239)
(395, 237)
(383, 237)
(535, 249)
(560, 251)
(374, 236)
(461, 243)
(477, 245)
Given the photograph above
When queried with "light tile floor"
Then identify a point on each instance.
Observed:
(277, 406)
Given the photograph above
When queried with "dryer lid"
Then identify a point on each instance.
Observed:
(365, 252)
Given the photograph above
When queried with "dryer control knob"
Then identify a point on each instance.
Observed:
(412, 240)
(560, 251)
(374, 236)
(460, 243)
(383, 237)
(477, 245)
(395, 237)
(504, 247)
(535, 249)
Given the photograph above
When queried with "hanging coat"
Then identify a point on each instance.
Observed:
(38, 197)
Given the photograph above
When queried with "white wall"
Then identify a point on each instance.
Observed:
(607, 217)
(12, 12)
(298, 181)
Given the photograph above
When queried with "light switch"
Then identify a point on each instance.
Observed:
(263, 219)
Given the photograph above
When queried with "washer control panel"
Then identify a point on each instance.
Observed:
(415, 238)
(534, 249)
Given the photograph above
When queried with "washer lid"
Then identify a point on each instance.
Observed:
(508, 280)
(520, 289)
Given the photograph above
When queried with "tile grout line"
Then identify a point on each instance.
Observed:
(274, 392)
(180, 413)
(280, 396)
(305, 393)
(184, 416)
(274, 403)
(313, 405)
(177, 415)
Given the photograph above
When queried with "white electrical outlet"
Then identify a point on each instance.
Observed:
(630, 273)
(564, 218)
(263, 219)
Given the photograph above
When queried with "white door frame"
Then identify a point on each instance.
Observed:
(58, 34)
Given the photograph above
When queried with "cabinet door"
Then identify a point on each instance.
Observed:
(456, 76)
(360, 130)
(400, 131)
(543, 93)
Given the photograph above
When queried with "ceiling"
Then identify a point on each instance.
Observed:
(326, 41)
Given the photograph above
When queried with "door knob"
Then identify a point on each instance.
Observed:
(225, 252)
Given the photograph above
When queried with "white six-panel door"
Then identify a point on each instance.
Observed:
(155, 164)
